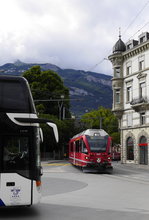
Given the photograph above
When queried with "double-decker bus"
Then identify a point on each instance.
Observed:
(91, 149)
(20, 137)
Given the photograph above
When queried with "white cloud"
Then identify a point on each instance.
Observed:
(69, 33)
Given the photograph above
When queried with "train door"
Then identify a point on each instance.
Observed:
(15, 185)
(74, 153)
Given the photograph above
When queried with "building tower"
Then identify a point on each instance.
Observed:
(130, 86)
(117, 82)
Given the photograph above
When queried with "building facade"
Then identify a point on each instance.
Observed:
(130, 85)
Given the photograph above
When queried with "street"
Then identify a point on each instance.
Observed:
(68, 194)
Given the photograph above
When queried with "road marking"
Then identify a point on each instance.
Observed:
(56, 164)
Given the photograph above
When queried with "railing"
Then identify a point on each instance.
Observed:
(140, 100)
(140, 104)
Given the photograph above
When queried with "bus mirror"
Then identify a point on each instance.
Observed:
(40, 120)
(54, 130)
(41, 134)
(41, 171)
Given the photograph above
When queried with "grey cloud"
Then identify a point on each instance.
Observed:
(70, 33)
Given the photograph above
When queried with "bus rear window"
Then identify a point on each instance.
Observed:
(13, 97)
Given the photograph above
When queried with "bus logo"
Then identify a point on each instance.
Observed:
(15, 192)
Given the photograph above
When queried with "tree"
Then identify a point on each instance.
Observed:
(66, 129)
(105, 119)
(47, 85)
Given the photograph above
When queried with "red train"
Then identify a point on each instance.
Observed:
(91, 149)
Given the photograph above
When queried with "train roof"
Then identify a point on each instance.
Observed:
(92, 132)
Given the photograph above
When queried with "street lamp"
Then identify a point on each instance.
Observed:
(61, 108)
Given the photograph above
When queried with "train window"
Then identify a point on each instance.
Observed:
(71, 147)
(77, 146)
(97, 144)
(83, 147)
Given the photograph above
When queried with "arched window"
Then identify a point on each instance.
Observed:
(143, 145)
(130, 149)
(143, 140)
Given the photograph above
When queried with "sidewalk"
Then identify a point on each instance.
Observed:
(140, 167)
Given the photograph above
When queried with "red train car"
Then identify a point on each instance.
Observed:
(91, 149)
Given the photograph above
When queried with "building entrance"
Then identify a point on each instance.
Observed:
(143, 146)
(130, 149)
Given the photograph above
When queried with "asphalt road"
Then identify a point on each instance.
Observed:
(69, 194)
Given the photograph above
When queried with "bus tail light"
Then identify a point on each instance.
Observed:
(38, 183)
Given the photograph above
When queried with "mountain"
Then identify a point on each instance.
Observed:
(88, 90)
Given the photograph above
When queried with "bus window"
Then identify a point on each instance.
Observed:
(15, 101)
(16, 154)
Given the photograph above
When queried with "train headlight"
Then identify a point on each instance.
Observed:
(98, 160)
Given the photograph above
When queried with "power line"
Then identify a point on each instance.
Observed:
(137, 15)
(94, 66)
(100, 62)
(139, 30)
(56, 100)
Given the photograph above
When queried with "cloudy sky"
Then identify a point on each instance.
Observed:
(75, 34)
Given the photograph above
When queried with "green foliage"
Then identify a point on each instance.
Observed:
(40, 108)
(66, 129)
(116, 137)
(105, 119)
(47, 85)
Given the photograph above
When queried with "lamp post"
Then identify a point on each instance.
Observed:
(61, 108)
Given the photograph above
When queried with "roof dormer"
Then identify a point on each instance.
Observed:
(143, 37)
(131, 43)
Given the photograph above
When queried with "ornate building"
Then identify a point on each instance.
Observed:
(130, 85)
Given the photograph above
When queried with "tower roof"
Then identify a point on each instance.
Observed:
(119, 46)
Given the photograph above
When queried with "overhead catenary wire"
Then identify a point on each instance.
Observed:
(137, 15)
(139, 30)
(129, 25)
(94, 66)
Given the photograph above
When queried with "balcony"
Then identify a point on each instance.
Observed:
(140, 104)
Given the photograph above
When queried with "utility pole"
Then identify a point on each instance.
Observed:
(100, 126)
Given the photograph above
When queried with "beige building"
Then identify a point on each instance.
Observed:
(130, 85)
